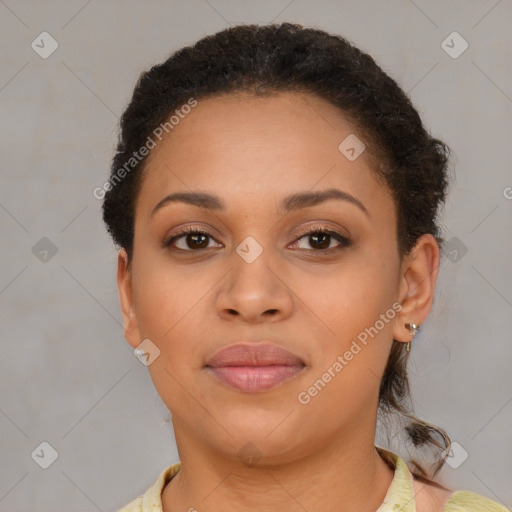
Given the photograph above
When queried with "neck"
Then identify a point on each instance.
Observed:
(344, 475)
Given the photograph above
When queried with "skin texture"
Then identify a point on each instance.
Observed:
(252, 152)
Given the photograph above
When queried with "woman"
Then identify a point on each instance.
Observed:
(274, 197)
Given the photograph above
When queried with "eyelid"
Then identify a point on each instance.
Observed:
(321, 227)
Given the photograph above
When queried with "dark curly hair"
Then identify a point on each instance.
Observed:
(265, 60)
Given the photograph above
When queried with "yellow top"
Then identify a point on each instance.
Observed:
(399, 497)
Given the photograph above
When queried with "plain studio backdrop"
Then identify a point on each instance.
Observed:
(74, 397)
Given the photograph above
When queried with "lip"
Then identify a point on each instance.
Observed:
(254, 367)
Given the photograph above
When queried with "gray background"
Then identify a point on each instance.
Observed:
(67, 375)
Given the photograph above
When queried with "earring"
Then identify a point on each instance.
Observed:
(413, 329)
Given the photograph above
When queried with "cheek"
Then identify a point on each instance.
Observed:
(166, 294)
(348, 366)
(174, 311)
(355, 296)
(357, 305)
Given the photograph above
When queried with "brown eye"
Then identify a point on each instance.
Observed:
(194, 239)
(320, 239)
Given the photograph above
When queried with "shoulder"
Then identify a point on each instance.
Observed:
(468, 501)
(151, 500)
(133, 506)
(432, 497)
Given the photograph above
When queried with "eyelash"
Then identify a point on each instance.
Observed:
(313, 230)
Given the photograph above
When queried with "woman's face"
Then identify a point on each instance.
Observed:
(257, 278)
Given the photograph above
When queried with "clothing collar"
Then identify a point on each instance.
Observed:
(400, 495)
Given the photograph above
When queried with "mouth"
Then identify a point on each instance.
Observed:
(254, 367)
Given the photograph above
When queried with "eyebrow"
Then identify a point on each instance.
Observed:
(288, 204)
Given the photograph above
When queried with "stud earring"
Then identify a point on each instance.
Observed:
(413, 329)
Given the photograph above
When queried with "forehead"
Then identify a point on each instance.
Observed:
(283, 119)
(241, 146)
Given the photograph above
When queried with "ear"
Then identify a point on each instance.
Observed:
(418, 278)
(124, 285)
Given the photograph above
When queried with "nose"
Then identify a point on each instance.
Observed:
(254, 293)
